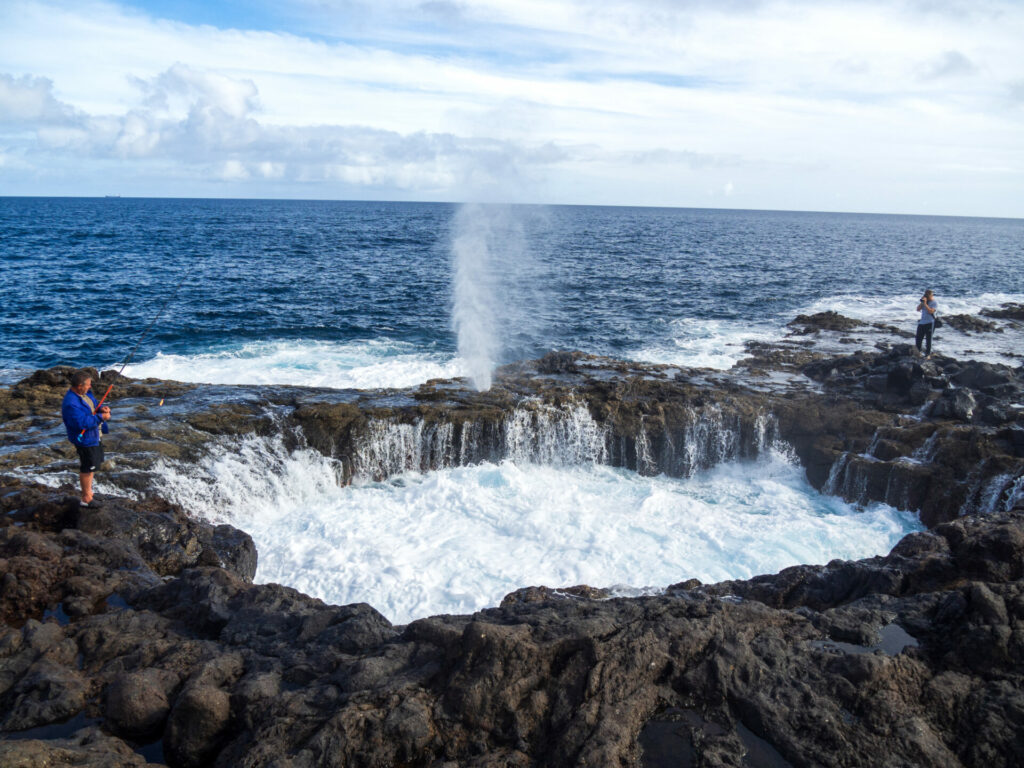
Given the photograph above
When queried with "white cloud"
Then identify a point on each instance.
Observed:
(586, 102)
(209, 121)
(29, 100)
(949, 64)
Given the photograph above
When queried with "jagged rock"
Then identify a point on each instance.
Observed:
(87, 748)
(970, 324)
(1009, 311)
(196, 726)
(235, 551)
(557, 362)
(47, 692)
(994, 414)
(878, 382)
(984, 376)
(543, 594)
(954, 404)
(823, 321)
(919, 392)
(136, 703)
(547, 676)
(901, 377)
(58, 376)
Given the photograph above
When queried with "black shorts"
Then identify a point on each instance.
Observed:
(91, 457)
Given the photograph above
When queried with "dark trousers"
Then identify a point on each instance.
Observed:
(924, 332)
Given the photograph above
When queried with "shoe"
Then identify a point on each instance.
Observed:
(89, 504)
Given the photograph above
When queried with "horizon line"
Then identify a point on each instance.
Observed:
(538, 204)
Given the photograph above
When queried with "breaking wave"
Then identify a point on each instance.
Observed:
(373, 364)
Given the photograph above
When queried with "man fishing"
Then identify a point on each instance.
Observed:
(85, 420)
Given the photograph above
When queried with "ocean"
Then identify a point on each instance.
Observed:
(366, 295)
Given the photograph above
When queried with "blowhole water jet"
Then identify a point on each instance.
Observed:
(496, 284)
(473, 316)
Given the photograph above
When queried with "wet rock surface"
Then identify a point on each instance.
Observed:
(133, 634)
(1009, 310)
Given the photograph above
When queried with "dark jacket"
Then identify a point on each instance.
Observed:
(78, 416)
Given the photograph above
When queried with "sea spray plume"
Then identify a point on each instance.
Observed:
(477, 244)
(501, 279)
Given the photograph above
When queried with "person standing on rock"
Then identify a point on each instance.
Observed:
(84, 425)
(926, 325)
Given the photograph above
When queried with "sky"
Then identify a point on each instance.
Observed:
(906, 106)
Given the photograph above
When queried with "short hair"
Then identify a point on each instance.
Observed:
(80, 376)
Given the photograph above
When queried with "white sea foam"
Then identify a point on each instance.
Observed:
(900, 309)
(720, 344)
(13, 375)
(458, 540)
(706, 343)
(353, 365)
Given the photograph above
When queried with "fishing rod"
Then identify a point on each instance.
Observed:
(142, 338)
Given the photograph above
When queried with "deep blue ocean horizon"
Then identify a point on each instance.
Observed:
(372, 282)
(457, 203)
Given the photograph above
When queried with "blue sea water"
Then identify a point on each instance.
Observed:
(368, 281)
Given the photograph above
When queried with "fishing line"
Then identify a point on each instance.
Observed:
(128, 359)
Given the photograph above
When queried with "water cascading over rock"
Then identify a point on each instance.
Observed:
(560, 435)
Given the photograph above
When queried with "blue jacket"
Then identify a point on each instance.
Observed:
(78, 416)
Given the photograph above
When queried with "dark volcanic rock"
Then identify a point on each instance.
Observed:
(88, 747)
(909, 659)
(197, 726)
(136, 703)
(52, 553)
(823, 321)
(954, 404)
(1009, 311)
(984, 376)
(557, 362)
(970, 324)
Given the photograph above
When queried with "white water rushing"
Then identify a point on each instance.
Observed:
(367, 364)
(459, 539)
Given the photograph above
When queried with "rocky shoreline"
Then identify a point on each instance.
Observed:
(134, 635)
